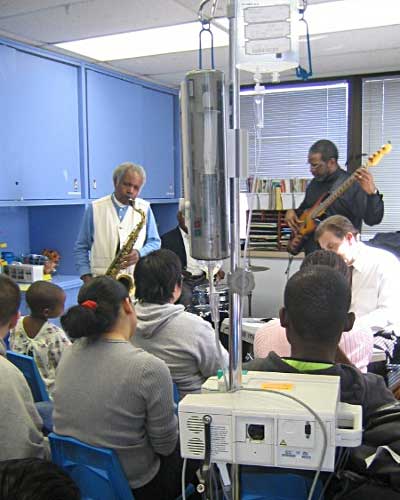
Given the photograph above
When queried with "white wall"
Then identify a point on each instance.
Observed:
(268, 293)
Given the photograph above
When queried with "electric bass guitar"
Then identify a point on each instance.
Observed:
(309, 217)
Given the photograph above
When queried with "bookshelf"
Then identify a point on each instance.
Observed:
(268, 230)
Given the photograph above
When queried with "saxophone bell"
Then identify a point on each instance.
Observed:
(127, 281)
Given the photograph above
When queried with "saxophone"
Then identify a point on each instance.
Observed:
(114, 268)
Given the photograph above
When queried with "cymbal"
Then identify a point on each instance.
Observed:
(257, 269)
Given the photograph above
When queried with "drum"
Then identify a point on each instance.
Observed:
(204, 312)
(201, 297)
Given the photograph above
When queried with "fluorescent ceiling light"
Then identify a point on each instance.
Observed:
(294, 88)
(170, 39)
(322, 18)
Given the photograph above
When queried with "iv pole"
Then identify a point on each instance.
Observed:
(235, 306)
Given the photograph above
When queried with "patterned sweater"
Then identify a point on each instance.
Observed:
(46, 348)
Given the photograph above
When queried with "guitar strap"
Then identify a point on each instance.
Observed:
(338, 182)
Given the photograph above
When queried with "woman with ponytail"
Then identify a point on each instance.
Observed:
(111, 394)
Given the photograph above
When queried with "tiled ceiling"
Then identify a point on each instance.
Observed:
(45, 22)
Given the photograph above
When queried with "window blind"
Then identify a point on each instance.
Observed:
(294, 118)
(381, 123)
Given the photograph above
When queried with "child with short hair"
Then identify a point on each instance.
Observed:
(35, 336)
(20, 423)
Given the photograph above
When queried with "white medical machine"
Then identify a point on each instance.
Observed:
(275, 420)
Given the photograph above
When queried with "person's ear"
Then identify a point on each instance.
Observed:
(177, 292)
(283, 317)
(14, 319)
(349, 321)
(127, 305)
(332, 164)
(46, 312)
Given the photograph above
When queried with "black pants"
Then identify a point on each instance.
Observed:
(166, 485)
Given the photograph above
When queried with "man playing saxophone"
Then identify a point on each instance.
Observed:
(109, 221)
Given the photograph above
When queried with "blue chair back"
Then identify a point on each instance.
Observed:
(96, 471)
(28, 367)
(176, 397)
(7, 340)
(277, 486)
(176, 393)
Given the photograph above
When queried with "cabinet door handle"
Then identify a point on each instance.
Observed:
(94, 184)
(76, 185)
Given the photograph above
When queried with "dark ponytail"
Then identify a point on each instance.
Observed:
(99, 303)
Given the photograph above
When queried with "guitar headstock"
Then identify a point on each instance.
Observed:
(376, 157)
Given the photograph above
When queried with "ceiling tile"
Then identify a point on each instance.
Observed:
(89, 18)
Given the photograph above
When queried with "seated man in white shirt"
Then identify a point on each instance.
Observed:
(375, 278)
(177, 240)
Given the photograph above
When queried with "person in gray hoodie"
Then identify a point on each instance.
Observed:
(183, 340)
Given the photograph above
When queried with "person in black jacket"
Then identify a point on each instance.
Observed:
(361, 202)
(177, 240)
(315, 313)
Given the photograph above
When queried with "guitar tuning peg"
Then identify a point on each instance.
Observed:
(386, 148)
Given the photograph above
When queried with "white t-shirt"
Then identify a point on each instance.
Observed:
(375, 290)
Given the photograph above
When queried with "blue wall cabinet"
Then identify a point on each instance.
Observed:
(115, 128)
(10, 187)
(64, 122)
(43, 132)
(158, 123)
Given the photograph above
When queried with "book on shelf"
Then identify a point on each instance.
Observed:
(275, 194)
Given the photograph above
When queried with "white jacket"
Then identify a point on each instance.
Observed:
(109, 231)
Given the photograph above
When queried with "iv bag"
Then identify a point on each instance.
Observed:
(267, 35)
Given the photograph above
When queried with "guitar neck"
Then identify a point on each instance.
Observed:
(322, 207)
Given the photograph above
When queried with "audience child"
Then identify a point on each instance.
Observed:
(356, 344)
(35, 336)
(35, 479)
(183, 340)
(315, 313)
(111, 394)
(20, 423)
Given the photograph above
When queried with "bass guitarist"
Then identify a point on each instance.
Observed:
(361, 202)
